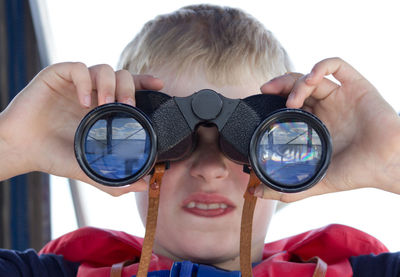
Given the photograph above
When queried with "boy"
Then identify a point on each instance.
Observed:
(202, 196)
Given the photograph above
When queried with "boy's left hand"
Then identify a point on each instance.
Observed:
(365, 129)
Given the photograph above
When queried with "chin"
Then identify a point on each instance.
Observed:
(211, 251)
(212, 257)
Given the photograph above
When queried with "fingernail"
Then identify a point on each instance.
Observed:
(86, 100)
(258, 191)
(252, 190)
(129, 101)
(109, 99)
(291, 96)
(290, 99)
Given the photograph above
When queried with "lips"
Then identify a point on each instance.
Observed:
(207, 205)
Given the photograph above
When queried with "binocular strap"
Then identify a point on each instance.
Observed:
(151, 222)
(320, 268)
(247, 225)
(246, 232)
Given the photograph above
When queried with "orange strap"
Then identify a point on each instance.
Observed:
(247, 226)
(151, 224)
(320, 268)
(116, 269)
(245, 232)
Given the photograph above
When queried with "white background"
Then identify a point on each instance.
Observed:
(364, 33)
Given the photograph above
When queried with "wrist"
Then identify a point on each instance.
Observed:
(390, 175)
(11, 162)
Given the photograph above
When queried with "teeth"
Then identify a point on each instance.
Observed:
(203, 206)
(213, 206)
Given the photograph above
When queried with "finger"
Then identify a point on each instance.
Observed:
(138, 186)
(302, 90)
(340, 69)
(74, 72)
(265, 192)
(262, 191)
(147, 82)
(104, 81)
(281, 85)
(125, 88)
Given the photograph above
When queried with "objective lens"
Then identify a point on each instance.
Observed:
(117, 146)
(290, 150)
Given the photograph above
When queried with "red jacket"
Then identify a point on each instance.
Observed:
(97, 250)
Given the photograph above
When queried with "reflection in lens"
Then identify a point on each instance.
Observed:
(289, 152)
(117, 146)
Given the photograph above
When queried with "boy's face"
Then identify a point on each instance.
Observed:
(202, 196)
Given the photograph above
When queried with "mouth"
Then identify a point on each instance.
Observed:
(207, 205)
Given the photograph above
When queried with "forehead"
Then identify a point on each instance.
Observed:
(188, 83)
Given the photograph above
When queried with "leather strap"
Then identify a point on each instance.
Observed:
(116, 269)
(320, 268)
(245, 232)
(247, 226)
(151, 224)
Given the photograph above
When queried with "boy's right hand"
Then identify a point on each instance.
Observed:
(365, 129)
(37, 128)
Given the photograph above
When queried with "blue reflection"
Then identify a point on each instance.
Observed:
(289, 152)
(117, 146)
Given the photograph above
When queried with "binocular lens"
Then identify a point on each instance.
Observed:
(290, 150)
(115, 145)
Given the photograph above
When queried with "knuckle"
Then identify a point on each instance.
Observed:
(335, 59)
(123, 75)
(123, 72)
(78, 65)
(102, 69)
(105, 68)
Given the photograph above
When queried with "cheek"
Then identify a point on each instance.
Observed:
(241, 177)
(264, 209)
(172, 180)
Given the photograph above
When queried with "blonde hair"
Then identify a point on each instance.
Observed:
(224, 42)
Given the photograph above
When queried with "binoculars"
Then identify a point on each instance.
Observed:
(288, 149)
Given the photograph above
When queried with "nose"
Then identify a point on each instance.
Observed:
(207, 161)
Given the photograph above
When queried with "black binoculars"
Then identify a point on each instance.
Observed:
(288, 149)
